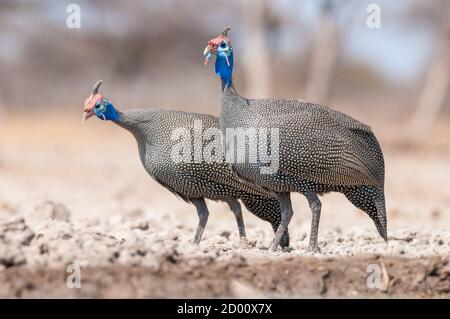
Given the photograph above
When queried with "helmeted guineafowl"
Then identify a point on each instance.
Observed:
(191, 180)
(319, 149)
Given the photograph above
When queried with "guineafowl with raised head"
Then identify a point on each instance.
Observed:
(317, 149)
(165, 136)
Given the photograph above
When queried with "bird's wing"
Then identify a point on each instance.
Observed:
(222, 175)
(324, 146)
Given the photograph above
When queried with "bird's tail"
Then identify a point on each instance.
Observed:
(381, 220)
(267, 208)
(371, 200)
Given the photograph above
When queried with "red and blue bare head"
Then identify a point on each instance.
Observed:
(96, 104)
(221, 47)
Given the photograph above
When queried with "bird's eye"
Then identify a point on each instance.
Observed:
(99, 106)
(223, 45)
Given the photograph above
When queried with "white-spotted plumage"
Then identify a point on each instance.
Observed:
(320, 150)
(194, 181)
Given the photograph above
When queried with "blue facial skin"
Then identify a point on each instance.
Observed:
(223, 69)
(105, 111)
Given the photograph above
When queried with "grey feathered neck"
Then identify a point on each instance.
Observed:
(134, 120)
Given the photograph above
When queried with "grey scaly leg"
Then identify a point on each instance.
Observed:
(286, 215)
(284, 242)
(203, 214)
(315, 205)
(235, 207)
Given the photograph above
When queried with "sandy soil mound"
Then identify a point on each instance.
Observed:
(139, 260)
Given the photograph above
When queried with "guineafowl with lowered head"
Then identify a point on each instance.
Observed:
(318, 149)
(159, 133)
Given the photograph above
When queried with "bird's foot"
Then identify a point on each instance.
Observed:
(287, 249)
(273, 246)
(196, 241)
(245, 243)
(243, 239)
(314, 249)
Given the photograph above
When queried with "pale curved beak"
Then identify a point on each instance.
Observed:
(86, 116)
(207, 50)
(208, 54)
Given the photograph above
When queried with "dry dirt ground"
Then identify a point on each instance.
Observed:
(73, 195)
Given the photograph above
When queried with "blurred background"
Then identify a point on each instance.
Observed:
(149, 53)
(392, 73)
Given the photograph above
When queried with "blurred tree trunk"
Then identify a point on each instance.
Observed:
(256, 63)
(435, 89)
(437, 79)
(323, 55)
